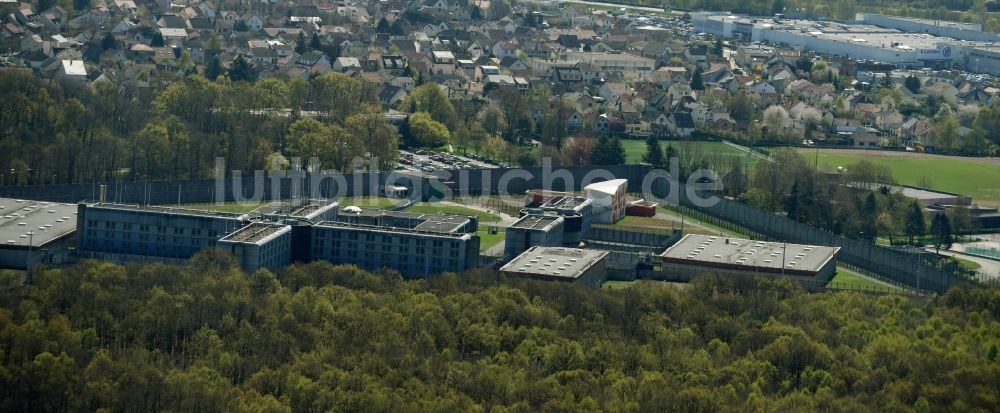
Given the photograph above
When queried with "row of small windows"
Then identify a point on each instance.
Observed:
(111, 225)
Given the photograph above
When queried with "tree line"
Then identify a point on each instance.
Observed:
(860, 203)
(125, 129)
(207, 337)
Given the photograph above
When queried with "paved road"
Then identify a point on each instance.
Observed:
(989, 269)
(603, 4)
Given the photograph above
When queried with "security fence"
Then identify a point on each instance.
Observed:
(902, 267)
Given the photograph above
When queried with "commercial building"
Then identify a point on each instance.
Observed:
(609, 198)
(697, 254)
(723, 24)
(902, 41)
(570, 265)
(36, 232)
(121, 233)
(979, 57)
(431, 247)
(943, 28)
(858, 41)
(260, 245)
(532, 230)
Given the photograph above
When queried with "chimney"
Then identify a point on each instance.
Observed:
(103, 194)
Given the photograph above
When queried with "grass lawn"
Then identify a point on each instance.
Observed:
(648, 222)
(435, 208)
(968, 176)
(369, 202)
(618, 285)
(966, 264)
(233, 207)
(849, 280)
(636, 148)
(487, 240)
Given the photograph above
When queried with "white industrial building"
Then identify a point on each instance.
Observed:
(943, 28)
(902, 41)
(858, 41)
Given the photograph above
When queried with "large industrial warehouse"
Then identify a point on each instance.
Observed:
(906, 42)
(697, 254)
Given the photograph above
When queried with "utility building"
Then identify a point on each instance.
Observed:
(697, 254)
(584, 267)
(34, 231)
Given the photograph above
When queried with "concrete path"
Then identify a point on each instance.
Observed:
(989, 269)
(752, 153)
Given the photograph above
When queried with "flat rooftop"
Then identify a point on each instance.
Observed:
(300, 209)
(388, 229)
(915, 193)
(565, 202)
(859, 34)
(257, 233)
(723, 252)
(535, 221)
(919, 193)
(168, 210)
(45, 221)
(568, 263)
(944, 23)
(441, 223)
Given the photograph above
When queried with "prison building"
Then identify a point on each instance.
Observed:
(122, 233)
(609, 198)
(533, 230)
(570, 265)
(259, 245)
(577, 212)
(35, 233)
(312, 210)
(413, 244)
(696, 255)
(396, 219)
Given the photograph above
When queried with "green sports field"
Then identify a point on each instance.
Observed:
(976, 177)
(635, 149)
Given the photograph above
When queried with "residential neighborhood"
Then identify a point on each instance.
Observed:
(602, 71)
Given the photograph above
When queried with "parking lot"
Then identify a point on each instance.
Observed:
(430, 161)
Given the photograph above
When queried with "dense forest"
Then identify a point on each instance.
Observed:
(317, 337)
(167, 127)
